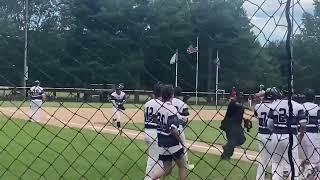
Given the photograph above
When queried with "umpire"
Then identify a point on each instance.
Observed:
(232, 125)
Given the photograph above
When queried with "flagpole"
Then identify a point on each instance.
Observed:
(217, 78)
(25, 58)
(197, 70)
(176, 68)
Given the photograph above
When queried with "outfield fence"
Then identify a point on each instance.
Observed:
(82, 135)
(103, 95)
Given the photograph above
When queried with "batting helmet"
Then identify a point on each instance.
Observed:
(272, 94)
(119, 87)
(261, 86)
(37, 82)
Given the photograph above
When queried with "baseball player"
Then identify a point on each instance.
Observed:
(266, 147)
(118, 98)
(151, 109)
(36, 94)
(169, 141)
(183, 114)
(260, 94)
(310, 142)
(234, 92)
(277, 122)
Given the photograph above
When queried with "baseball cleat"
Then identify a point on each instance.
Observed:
(190, 167)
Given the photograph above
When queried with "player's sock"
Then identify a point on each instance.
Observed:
(118, 125)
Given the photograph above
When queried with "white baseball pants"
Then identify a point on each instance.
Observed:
(153, 163)
(266, 149)
(36, 111)
(280, 160)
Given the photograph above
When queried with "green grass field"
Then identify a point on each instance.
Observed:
(89, 105)
(32, 151)
(209, 132)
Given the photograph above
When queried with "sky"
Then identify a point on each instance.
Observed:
(269, 19)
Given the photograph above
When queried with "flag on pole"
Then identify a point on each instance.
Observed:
(192, 49)
(174, 58)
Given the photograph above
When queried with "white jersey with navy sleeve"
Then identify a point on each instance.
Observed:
(167, 117)
(280, 115)
(261, 111)
(181, 106)
(151, 109)
(36, 93)
(118, 98)
(313, 117)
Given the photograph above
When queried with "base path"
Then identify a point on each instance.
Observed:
(91, 118)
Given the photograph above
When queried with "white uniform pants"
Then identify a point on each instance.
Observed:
(266, 149)
(310, 148)
(183, 139)
(117, 114)
(280, 160)
(153, 163)
(36, 111)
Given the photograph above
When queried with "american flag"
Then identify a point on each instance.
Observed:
(192, 49)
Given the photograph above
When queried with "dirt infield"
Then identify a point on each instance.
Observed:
(104, 115)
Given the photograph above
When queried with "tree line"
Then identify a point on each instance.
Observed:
(73, 43)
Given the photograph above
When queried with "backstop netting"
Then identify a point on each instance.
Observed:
(75, 76)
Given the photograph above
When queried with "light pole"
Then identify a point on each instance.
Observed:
(25, 64)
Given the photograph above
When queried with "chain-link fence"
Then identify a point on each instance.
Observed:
(101, 108)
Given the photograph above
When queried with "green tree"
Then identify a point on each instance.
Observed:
(306, 51)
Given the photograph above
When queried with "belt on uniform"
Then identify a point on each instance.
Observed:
(148, 126)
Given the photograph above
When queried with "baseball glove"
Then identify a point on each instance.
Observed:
(223, 125)
(247, 124)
